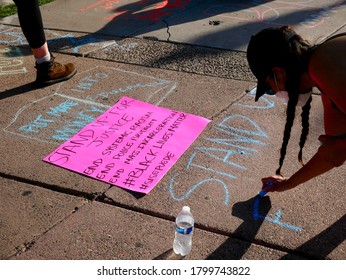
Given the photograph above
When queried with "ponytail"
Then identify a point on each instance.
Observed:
(296, 48)
(305, 128)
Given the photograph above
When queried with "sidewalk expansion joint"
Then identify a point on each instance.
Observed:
(289, 252)
(225, 109)
(103, 198)
(88, 196)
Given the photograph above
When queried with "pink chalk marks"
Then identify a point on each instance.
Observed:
(132, 145)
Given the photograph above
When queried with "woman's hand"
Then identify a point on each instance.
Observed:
(331, 154)
(275, 183)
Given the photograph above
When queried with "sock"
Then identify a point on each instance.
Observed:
(43, 59)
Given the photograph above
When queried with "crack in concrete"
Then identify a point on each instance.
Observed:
(167, 30)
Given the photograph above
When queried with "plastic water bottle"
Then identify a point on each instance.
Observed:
(183, 232)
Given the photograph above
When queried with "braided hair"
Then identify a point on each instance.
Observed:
(298, 51)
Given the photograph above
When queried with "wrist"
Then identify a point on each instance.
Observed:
(292, 182)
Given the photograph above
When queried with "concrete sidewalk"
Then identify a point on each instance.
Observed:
(6, 2)
(198, 49)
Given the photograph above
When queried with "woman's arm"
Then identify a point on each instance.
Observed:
(331, 154)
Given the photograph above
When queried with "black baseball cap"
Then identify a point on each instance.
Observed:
(266, 50)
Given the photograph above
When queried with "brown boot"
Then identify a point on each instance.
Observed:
(52, 72)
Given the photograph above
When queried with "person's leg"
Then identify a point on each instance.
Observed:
(30, 20)
(48, 71)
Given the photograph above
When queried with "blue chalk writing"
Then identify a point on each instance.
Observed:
(238, 135)
(73, 127)
(76, 42)
(193, 188)
(36, 125)
(191, 164)
(18, 37)
(227, 153)
(239, 142)
(276, 220)
(86, 83)
(257, 132)
(268, 104)
(63, 107)
(65, 133)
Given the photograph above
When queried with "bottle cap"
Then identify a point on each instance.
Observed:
(186, 209)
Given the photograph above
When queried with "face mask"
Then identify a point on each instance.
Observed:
(303, 98)
(283, 96)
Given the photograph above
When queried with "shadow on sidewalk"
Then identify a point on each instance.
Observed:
(232, 248)
(137, 19)
(121, 21)
(320, 246)
(18, 90)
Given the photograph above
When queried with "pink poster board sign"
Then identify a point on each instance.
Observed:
(132, 145)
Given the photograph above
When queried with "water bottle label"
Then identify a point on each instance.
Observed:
(184, 230)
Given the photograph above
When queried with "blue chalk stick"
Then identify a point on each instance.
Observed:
(262, 193)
